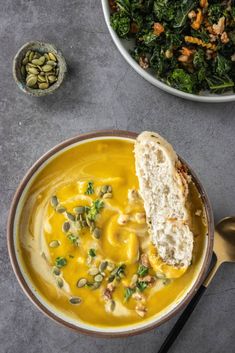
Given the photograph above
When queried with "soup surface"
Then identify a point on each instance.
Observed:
(83, 239)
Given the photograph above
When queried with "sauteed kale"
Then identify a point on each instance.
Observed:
(190, 45)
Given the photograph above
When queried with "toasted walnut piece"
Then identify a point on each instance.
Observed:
(123, 219)
(168, 53)
(213, 38)
(140, 310)
(158, 28)
(192, 14)
(140, 218)
(233, 57)
(134, 27)
(224, 38)
(113, 5)
(144, 260)
(143, 62)
(219, 27)
(148, 279)
(107, 294)
(183, 58)
(138, 297)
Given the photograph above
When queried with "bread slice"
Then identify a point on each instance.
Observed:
(163, 184)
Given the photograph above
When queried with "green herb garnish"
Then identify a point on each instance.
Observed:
(142, 271)
(73, 239)
(90, 188)
(60, 262)
(141, 286)
(128, 293)
(95, 209)
(92, 252)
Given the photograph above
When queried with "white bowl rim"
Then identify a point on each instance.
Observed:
(153, 80)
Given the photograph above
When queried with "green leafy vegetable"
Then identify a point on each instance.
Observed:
(90, 188)
(60, 262)
(222, 65)
(121, 23)
(73, 239)
(181, 80)
(184, 7)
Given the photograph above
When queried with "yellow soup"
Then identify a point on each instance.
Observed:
(84, 243)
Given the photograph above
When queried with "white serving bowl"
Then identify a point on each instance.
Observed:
(124, 46)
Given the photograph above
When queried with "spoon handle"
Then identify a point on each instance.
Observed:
(170, 339)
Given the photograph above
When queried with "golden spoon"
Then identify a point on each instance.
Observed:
(224, 250)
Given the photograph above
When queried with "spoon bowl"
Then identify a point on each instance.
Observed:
(224, 245)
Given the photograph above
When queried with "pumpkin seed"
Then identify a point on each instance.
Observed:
(33, 70)
(52, 56)
(52, 78)
(98, 278)
(96, 285)
(46, 56)
(43, 85)
(59, 282)
(109, 188)
(54, 244)
(75, 300)
(79, 209)
(25, 61)
(41, 78)
(60, 209)
(27, 53)
(31, 81)
(160, 275)
(51, 62)
(66, 227)
(36, 56)
(108, 195)
(110, 305)
(104, 189)
(31, 55)
(103, 266)
(111, 266)
(97, 233)
(56, 271)
(54, 201)
(46, 68)
(71, 216)
(93, 271)
(81, 282)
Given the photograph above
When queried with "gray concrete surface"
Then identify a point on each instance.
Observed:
(102, 91)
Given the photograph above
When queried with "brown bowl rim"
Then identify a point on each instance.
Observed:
(35, 300)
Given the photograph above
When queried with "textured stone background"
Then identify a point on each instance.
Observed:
(102, 91)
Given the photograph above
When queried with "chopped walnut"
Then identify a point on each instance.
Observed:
(213, 38)
(224, 38)
(192, 14)
(219, 27)
(148, 279)
(138, 296)
(144, 260)
(168, 53)
(183, 58)
(143, 62)
(140, 310)
(123, 219)
(107, 294)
